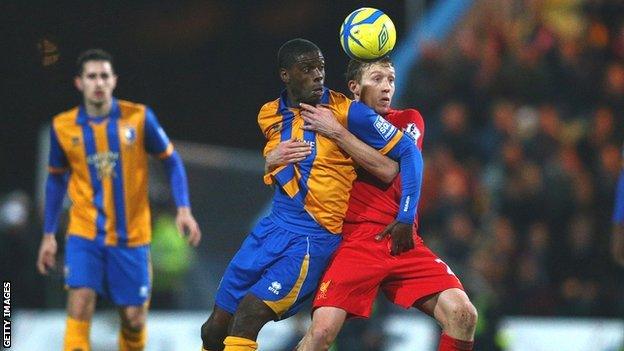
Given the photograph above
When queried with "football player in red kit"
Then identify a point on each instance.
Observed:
(406, 270)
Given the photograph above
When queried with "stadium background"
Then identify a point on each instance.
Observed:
(523, 102)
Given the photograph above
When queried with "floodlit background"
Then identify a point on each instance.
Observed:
(524, 108)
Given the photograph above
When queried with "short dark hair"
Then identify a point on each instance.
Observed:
(356, 67)
(92, 55)
(290, 50)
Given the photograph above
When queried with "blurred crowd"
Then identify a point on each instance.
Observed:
(524, 111)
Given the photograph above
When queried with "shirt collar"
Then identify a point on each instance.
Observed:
(83, 116)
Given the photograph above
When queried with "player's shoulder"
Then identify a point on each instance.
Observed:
(336, 97)
(131, 107)
(65, 118)
(409, 113)
(269, 108)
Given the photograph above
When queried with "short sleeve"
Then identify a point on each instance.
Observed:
(156, 140)
(415, 126)
(372, 128)
(270, 124)
(57, 161)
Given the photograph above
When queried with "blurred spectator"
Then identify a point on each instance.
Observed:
(521, 164)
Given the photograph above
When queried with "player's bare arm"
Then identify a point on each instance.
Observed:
(321, 120)
(289, 151)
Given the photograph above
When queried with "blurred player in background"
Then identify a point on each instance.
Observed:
(99, 151)
(409, 277)
(279, 264)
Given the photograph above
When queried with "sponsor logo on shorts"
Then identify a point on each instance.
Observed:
(275, 287)
(322, 294)
(143, 291)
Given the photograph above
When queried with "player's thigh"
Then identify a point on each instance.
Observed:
(292, 279)
(352, 278)
(259, 249)
(84, 264)
(418, 274)
(128, 275)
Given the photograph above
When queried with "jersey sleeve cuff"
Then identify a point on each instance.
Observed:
(57, 170)
(168, 151)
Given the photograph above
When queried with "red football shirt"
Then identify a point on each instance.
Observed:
(371, 200)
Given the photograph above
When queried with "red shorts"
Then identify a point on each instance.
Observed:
(362, 265)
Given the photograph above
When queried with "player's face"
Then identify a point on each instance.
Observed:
(305, 78)
(376, 87)
(97, 82)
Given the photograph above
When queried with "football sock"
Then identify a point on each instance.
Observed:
(130, 340)
(235, 343)
(448, 343)
(76, 335)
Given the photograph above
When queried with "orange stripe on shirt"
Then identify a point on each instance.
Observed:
(168, 151)
(135, 175)
(395, 140)
(82, 214)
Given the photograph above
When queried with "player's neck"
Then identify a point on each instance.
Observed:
(98, 110)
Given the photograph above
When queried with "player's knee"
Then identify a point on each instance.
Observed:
(463, 316)
(81, 304)
(214, 331)
(322, 335)
(134, 320)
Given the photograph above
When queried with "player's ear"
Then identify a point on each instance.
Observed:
(78, 83)
(284, 76)
(114, 81)
(355, 88)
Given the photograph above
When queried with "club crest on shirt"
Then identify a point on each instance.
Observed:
(104, 163)
(412, 131)
(129, 134)
(322, 293)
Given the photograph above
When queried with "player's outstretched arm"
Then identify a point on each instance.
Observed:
(321, 120)
(289, 151)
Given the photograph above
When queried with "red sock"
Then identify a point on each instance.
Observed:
(449, 344)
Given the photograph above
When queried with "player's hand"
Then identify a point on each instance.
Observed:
(321, 120)
(47, 254)
(402, 237)
(289, 151)
(187, 226)
(617, 244)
